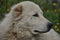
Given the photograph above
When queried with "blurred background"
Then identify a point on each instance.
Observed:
(51, 9)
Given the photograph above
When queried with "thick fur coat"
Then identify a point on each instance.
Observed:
(22, 21)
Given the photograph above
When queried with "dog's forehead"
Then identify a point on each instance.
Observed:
(31, 7)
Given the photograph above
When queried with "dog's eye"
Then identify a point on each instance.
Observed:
(36, 15)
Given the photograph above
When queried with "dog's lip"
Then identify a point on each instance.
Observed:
(42, 31)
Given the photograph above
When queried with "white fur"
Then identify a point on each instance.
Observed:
(26, 23)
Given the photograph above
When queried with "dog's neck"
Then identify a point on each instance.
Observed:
(40, 36)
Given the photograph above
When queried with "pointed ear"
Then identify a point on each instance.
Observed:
(17, 11)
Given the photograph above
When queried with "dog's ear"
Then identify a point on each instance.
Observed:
(18, 11)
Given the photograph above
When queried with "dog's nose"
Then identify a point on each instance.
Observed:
(50, 25)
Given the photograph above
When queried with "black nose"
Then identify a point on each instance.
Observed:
(49, 25)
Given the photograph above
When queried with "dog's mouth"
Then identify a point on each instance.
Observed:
(35, 32)
(41, 31)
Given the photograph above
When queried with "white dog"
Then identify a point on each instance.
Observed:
(25, 21)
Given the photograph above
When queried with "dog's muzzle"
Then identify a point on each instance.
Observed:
(49, 26)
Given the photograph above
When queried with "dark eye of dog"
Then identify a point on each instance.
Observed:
(36, 15)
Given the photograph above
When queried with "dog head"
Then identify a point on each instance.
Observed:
(31, 17)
